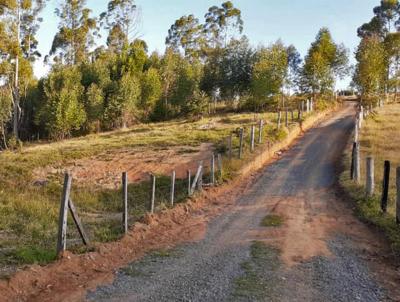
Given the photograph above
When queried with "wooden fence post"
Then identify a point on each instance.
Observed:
(252, 137)
(189, 192)
(62, 221)
(197, 178)
(279, 119)
(152, 193)
(241, 132)
(200, 179)
(370, 177)
(353, 157)
(212, 169)
(125, 201)
(398, 195)
(385, 186)
(356, 135)
(292, 115)
(173, 177)
(260, 131)
(357, 164)
(219, 160)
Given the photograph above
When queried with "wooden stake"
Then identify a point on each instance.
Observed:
(357, 164)
(196, 178)
(212, 169)
(152, 193)
(385, 187)
(241, 132)
(189, 192)
(125, 201)
(252, 137)
(62, 221)
(353, 157)
(260, 131)
(370, 177)
(219, 160)
(172, 198)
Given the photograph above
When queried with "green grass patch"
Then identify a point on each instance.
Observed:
(34, 255)
(258, 282)
(272, 221)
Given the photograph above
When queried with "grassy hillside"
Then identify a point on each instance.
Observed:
(29, 211)
(380, 139)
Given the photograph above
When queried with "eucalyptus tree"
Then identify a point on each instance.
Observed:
(19, 23)
(385, 20)
(269, 73)
(76, 32)
(122, 20)
(222, 23)
(324, 63)
(385, 26)
(186, 35)
(371, 68)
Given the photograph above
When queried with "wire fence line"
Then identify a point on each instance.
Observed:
(210, 172)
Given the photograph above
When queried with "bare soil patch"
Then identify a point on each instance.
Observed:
(104, 170)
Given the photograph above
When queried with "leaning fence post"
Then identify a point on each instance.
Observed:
(241, 131)
(200, 180)
(173, 177)
(62, 221)
(212, 169)
(189, 192)
(125, 200)
(370, 177)
(152, 193)
(398, 195)
(385, 189)
(252, 134)
(260, 131)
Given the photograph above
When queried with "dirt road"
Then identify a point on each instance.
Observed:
(320, 252)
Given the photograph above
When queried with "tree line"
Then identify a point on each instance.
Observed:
(378, 55)
(92, 88)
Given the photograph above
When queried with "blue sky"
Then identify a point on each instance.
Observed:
(294, 21)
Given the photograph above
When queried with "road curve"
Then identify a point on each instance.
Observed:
(315, 259)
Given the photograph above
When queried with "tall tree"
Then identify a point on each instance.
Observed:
(270, 71)
(222, 23)
(75, 34)
(324, 62)
(122, 20)
(386, 20)
(186, 35)
(370, 73)
(19, 23)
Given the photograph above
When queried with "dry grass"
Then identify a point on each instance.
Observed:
(29, 213)
(380, 139)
